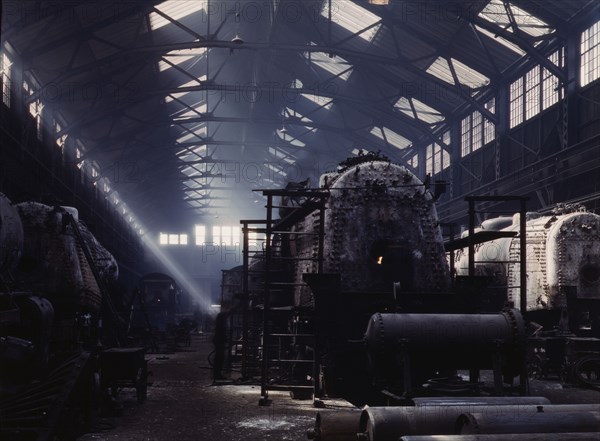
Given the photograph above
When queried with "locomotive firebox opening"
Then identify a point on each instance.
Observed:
(391, 262)
(590, 274)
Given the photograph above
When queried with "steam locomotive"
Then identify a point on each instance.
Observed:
(562, 287)
(53, 276)
(563, 266)
(370, 313)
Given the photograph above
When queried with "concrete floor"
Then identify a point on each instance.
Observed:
(183, 405)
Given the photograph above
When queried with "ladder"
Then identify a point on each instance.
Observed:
(287, 345)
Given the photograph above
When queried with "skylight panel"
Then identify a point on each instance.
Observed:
(179, 56)
(503, 41)
(282, 156)
(320, 101)
(275, 169)
(497, 13)
(469, 76)
(296, 114)
(192, 151)
(176, 9)
(336, 66)
(391, 137)
(195, 133)
(465, 74)
(195, 110)
(424, 112)
(290, 139)
(352, 17)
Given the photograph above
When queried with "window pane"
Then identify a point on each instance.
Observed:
(173, 239)
(516, 105)
(183, 239)
(200, 233)
(235, 235)
(590, 41)
(163, 239)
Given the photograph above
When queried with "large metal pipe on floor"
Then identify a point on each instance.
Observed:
(508, 437)
(538, 422)
(343, 425)
(472, 401)
(390, 423)
(336, 425)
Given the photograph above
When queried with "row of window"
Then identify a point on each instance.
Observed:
(35, 108)
(221, 235)
(535, 91)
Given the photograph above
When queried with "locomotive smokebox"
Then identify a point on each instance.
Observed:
(446, 341)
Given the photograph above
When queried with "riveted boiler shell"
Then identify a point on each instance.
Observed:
(563, 252)
(381, 227)
(573, 254)
(11, 235)
(53, 262)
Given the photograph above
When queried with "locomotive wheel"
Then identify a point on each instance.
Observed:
(586, 370)
(535, 368)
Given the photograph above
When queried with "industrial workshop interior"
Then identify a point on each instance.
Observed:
(324, 220)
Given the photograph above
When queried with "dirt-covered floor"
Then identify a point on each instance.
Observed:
(183, 405)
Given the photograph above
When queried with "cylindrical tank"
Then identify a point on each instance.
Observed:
(390, 423)
(447, 340)
(381, 228)
(508, 437)
(538, 422)
(336, 425)
(11, 235)
(563, 254)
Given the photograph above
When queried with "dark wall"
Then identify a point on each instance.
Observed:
(38, 170)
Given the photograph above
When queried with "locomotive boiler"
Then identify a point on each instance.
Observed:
(381, 228)
(563, 266)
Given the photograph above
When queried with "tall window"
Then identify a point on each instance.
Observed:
(200, 233)
(590, 53)
(35, 108)
(60, 140)
(489, 128)
(437, 158)
(532, 92)
(465, 136)
(535, 91)
(516, 103)
(5, 67)
(226, 235)
(414, 162)
(551, 92)
(476, 130)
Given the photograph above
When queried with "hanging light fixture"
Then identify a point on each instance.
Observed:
(237, 39)
(283, 131)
